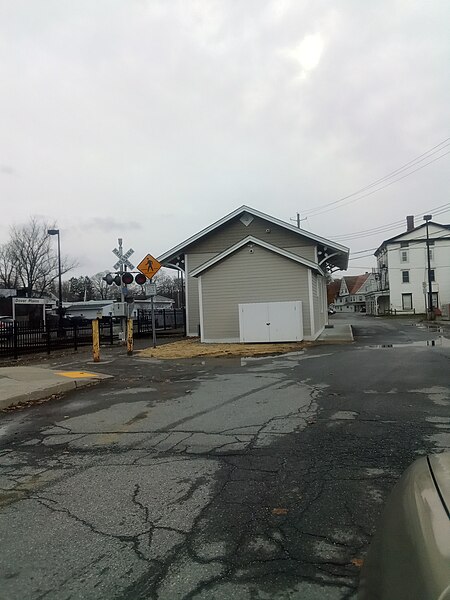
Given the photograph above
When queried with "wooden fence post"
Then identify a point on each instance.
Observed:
(130, 336)
(95, 341)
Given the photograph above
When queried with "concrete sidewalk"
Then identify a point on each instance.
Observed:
(337, 333)
(25, 384)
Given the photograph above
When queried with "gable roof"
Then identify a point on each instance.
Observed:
(252, 240)
(333, 290)
(343, 289)
(398, 237)
(355, 282)
(180, 248)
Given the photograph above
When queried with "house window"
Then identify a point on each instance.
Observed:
(432, 275)
(404, 244)
(431, 253)
(407, 301)
(405, 276)
(404, 256)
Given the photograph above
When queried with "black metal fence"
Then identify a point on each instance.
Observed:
(18, 338)
(165, 320)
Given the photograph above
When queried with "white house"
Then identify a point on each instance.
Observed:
(352, 292)
(402, 270)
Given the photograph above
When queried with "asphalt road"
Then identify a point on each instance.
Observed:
(218, 479)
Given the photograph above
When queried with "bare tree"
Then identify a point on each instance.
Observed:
(169, 286)
(101, 290)
(8, 272)
(35, 258)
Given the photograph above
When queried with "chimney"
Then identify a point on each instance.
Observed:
(409, 222)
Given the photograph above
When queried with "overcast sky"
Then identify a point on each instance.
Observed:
(148, 120)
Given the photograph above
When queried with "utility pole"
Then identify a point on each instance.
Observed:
(298, 220)
(428, 218)
(123, 322)
(122, 295)
(121, 267)
(60, 301)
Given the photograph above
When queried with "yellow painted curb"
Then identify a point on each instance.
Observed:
(78, 374)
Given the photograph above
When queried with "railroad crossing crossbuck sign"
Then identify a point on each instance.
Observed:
(149, 266)
(123, 258)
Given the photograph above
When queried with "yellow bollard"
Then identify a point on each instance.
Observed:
(95, 341)
(130, 337)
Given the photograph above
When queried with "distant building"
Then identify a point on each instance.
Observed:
(92, 309)
(353, 291)
(15, 304)
(333, 288)
(402, 271)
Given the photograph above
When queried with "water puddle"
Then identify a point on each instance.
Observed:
(435, 328)
(281, 360)
(440, 342)
(136, 390)
(344, 415)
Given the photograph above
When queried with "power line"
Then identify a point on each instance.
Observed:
(366, 250)
(358, 257)
(410, 242)
(378, 189)
(406, 167)
(373, 231)
(377, 233)
(389, 226)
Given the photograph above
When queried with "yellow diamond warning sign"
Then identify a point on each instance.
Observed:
(149, 266)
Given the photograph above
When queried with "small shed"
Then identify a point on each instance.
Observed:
(249, 257)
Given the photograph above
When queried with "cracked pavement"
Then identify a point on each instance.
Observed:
(218, 478)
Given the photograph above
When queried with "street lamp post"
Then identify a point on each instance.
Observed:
(60, 307)
(428, 218)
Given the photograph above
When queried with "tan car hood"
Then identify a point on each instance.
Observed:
(440, 469)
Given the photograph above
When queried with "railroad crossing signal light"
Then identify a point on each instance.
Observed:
(126, 278)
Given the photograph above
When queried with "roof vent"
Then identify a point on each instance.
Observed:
(409, 222)
(246, 219)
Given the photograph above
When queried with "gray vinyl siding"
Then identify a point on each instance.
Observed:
(228, 235)
(233, 231)
(261, 276)
(321, 304)
(324, 301)
(316, 301)
(193, 313)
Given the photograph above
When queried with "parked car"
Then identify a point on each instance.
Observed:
(409, 557)
(6, 327)
(331, 310)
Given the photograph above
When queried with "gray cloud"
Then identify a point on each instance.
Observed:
(7, 170)
(109, 224)
(151, 119)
